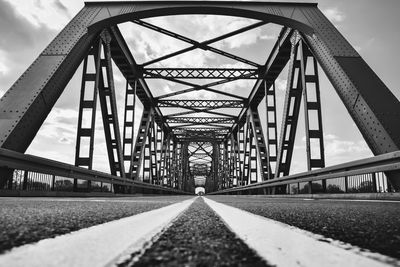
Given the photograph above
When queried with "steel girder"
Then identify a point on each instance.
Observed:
(201, 120)
(301, 85)
(104, 88)
(291, 110)
(372, 106)
(201, 103)
(200, 73)
(87, 104)
(108, 105)
(271, 129)
(312, 111)
(205, 45)
(129, 125)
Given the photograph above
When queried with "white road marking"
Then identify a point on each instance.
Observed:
(98, 245)
(284, 245)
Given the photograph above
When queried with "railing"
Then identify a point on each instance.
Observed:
(32, 173)
(360, 176)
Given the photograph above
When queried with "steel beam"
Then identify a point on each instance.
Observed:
(129, 125)
(374, 109)
(200, 73)
(205, 45)
(87, 105)
(271, 129)
(108, 105)
(200, 103)
(312, 105)
(291, 110)
(201, 120)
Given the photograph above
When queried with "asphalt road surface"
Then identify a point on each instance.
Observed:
(372, 225)
(198, 238)
(27, 220)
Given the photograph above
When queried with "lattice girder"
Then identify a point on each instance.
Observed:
(201, 103)
(200, 73)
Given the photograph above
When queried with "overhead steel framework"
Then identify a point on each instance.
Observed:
(200, 138)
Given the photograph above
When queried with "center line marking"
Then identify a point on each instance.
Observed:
(99, 245)
(284, 245)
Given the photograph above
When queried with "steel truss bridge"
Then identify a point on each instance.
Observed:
(234, 153)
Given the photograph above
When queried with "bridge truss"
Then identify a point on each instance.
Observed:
(169, 151)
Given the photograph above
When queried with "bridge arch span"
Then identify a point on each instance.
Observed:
(279, 13)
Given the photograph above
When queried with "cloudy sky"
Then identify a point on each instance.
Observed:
(27, 26)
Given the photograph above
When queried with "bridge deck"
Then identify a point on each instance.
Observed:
(198, 236)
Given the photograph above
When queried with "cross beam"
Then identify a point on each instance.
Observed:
(202, 45)
(200, 120)
(200, 73)
(201, 103)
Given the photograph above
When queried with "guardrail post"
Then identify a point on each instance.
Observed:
(53, 181)
(389, 186)
(25, 182)
(374, 187)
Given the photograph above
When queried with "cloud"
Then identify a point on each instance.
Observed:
(148, 44)
(20, 44)
(61, 7)
(268, 37)
(334, 14)
(54, 14)
(365, 45)
(339, 151)
(3, 68)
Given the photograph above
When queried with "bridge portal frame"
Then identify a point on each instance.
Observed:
(25, 106)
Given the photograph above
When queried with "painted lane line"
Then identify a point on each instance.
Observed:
(284, 245)
(98, 245)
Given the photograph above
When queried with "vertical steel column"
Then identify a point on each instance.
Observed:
(226, 168)
(290, 115)
(171, 173)
(225, 165)
(237, 163)
(87, 105)
(185, 165)
(163, 167)
(172, 164)
(153, 152)
(250, 169)
(259, 141)
(160, 154)
(246, 154)
(147, 173)
(232, 161)
(109, 110)
(315, 154)
(271, 132)
(137, 161)
(215, 166)
(129, 126)
(241, 154)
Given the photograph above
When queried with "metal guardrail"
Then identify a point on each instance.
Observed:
(29, 163)
(359, 168)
